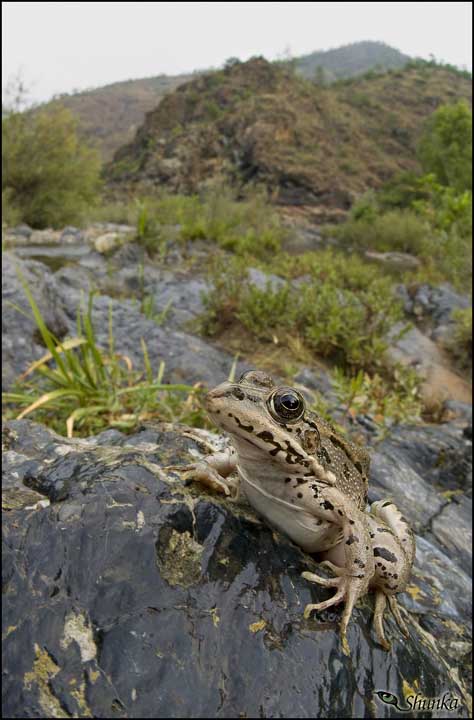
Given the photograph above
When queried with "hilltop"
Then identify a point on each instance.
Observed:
(350, 60)
(108, 116)
(258, 122)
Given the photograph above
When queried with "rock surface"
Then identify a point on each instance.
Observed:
(128, 594)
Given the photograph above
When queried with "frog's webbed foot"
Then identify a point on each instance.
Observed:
(348, 589)
(205, 474)
(380, 604)
(212, 472)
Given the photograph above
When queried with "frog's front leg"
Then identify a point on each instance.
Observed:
(212, 472)
(351, 581)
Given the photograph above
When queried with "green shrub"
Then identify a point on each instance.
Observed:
(343, 312)
(79, 386)
(445, 148)
(396, 230)
(50, 177)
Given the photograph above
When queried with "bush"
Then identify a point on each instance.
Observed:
(396, 230)
(445, 148)
(49, 178)
(343, 312)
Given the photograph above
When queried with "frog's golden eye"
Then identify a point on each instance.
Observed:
(286, 404)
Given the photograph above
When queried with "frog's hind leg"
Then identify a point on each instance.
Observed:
(393, 561)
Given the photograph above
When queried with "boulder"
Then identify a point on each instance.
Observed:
(130, 594)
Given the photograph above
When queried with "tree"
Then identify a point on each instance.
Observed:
(49, 177)
(445, 148)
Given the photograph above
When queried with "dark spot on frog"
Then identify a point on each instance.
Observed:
(380, 529)
(352, 539)
(359, 563)
(351, 522)
(247, 428)
(266, 436)
(300, 495)
(238, 393)
(287, 479)
(327, 505)
(385, 554)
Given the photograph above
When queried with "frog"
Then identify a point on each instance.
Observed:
(311, 484)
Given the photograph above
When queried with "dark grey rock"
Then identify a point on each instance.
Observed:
(435, 304)
(317, 379)
(132, 595)
(21, 341)
(453, 528)
(187, 358)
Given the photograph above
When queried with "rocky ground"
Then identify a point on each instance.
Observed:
(128, 594)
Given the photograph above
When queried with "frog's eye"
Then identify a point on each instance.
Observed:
(286, 404)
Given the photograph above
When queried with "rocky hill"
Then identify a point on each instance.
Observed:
(257, 122)
(109, 116)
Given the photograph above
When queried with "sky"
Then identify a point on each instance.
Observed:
(58, 47)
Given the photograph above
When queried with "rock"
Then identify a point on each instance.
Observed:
(435, 304)
(401, 260)
(187, 358)
(130, 581)
(319, 380)
(21, 341)
(415, 349)
(262, 280)
(108, 242)
(453, 528)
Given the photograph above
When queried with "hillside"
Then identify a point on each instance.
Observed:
(350, 60)
(257, 122)
(109, 116)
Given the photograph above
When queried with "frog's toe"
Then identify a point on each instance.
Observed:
(326, 582)
(380, 603)
(336, 569)
(334, 600)
(392, 601)
(203, 473)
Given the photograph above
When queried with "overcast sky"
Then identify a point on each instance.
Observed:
(62, 46)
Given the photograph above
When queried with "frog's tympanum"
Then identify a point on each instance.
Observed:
(310, 483)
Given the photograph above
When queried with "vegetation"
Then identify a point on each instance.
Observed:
(342, 310)
(249, 225)
(257, 121)
(428, 215)
(460, 344)
(445, 149)
(79, 387)
(49, 178)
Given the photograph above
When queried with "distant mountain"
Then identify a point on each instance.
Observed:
(258, 122)
(350, 60)
(108, 116)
